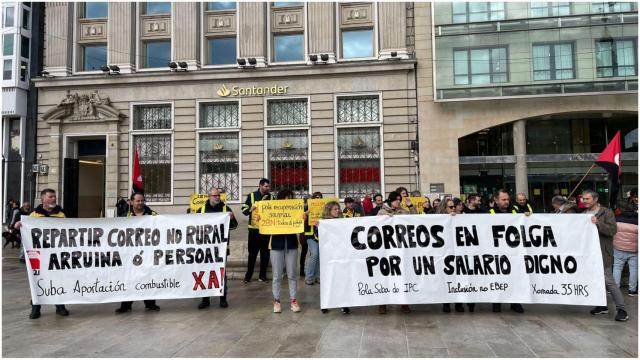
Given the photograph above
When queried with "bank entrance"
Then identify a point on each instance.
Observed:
(84, 177)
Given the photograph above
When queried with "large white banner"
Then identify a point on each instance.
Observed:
(77, 261)
(502, 258)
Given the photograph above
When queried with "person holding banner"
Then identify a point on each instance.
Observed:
(522, 205)
(448, 206)
(473, 205)
(215, 205)
(503, 206)
(48, 208)
(349, 209)
(331, 210)
(284, 253)
(311, 241)
(257, 243)
(392, 207)
(138, 208)
(605, 222)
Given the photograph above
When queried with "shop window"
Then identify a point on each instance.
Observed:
(358, 161)
(219, 115)
(156, 8)
(357, 43)
(157, 54)
(480, 66)
(616, 58)
(496, 141)
(549, 137)
(9, 16)
(358, 109)
(287, 112)
(221, 5)
(95, 10)
(288, 158)
(222, 51)
(219, 159)
(7, 69)
(544, 9)
(7, 44)
(553, 61)
(24, 46)
(93, 57)
(154, 149)
(610, 7)
(464, 12)
(288, 47)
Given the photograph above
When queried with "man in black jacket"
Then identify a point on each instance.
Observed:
(257, 242)
(215, 205)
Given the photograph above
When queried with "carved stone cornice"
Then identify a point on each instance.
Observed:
(75, 108)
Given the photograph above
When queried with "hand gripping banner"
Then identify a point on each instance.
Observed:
(78, 261)
(422, 259)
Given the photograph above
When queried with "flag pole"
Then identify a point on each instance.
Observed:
(581, 180)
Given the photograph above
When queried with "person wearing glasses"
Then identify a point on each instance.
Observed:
(216, 205)
(392, 207)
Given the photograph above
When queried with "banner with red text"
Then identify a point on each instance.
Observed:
(76, 261)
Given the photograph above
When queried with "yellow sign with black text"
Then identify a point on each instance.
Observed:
(197, 200)
(281, 216)
(315, 207)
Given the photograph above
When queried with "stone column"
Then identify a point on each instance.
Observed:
(121, 36)
(55, 161)
(322, 29)
(392, 20)
(111, 166)
(253, 31)
(520, 151)
(186, 30)
(59, 38)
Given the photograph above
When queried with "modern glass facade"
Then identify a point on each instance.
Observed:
(493, 50)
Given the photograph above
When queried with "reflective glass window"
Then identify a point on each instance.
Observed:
(222, 51)
(96, 10)
(288, 48)
(221, 5)
(616, 58)
(157, 54)
(7, 69)
(7, 44)
(357, 44)
(152, 8)
(95, 56)
(24, 46)
(9, 16)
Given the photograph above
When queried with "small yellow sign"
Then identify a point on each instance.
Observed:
(564, 191)
(197, 200)
(536, 191)
(417, 201)
(281, 216)
(315, 207)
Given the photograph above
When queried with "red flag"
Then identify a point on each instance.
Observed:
(137, 179)
(610, 160)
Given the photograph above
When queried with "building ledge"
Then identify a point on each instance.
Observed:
(229, 74)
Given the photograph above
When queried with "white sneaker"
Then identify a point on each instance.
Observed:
(277, 308)
(294, 306)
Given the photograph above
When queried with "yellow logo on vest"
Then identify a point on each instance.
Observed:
(224, 91)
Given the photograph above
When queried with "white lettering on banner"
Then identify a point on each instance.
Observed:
(422, 259)
(77, 261)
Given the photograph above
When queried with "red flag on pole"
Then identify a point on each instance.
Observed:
(610, 160)
(137, 179)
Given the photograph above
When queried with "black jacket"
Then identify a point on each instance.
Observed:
(220, 207)
(477, 210)
(278, 242)
(257, 197)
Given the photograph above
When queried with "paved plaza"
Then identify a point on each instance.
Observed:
(248, 328)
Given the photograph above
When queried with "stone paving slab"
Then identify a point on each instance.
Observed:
(248, 328)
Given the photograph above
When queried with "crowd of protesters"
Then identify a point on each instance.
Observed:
(618, 236)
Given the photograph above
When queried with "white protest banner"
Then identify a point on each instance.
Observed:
(77, 261)
(419, 259)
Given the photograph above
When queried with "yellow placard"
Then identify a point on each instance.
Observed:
(564, 191)
(281, 216)
(536, 191)
(315, 207)
(417, 201)
(197, 200)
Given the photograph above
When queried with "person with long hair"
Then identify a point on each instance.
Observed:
(312, 273)
(283, 249)
(331, 210)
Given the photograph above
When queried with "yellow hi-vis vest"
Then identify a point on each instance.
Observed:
(224, 208)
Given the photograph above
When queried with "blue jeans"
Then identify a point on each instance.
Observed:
(619, 259)
(313, 265)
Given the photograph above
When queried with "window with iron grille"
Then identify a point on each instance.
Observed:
(154, 149)
(154, 154)
(358, 161)
(358, 109)
(288, 160)
(219, 157)
(287, 112)
(152, 117)
(219, 115)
